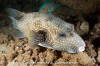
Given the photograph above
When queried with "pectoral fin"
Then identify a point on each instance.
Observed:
(17, 33)
(33, 42)
(13, 32)
(14, 13)
(30, 35)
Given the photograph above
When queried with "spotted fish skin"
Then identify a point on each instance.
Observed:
(47, 31)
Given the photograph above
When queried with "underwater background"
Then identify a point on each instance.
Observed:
(84, 14)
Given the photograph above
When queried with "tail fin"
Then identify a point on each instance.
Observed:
(14, 13)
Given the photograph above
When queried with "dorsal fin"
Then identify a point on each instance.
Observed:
(14, 13)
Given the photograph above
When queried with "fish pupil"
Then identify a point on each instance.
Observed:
(62, 35)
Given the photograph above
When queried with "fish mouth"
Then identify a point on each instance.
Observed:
(81, 49)
(40, 36)
(77, 50)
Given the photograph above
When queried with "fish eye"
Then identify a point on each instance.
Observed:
(62, 34)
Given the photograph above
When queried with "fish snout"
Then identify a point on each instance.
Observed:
(77, 48)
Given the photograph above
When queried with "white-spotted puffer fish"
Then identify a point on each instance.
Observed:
(46, 30)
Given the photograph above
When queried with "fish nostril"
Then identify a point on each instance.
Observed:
(40, 36)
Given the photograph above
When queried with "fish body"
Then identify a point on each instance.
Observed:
(46, 30)
(48, 7)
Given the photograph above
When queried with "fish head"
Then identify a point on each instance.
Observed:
(64, 38)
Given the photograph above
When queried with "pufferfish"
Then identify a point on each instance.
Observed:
(46, 30)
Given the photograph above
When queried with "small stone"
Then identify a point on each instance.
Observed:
(82, 28)
(20, 58)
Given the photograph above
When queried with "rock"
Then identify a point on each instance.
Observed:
(82, 5)
(3, 38)
(95, 33)
(98, 18)
(65, 14)
(84, 59)
(82, 28)
(3, 60)
(90, 49)
(98, 57)
(4, 21)
(50, 55)
(42, 57)
(76, 59)
(11, 56)
(16, 63)
(4, 49)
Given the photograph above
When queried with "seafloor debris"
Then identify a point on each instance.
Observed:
(98, 57)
